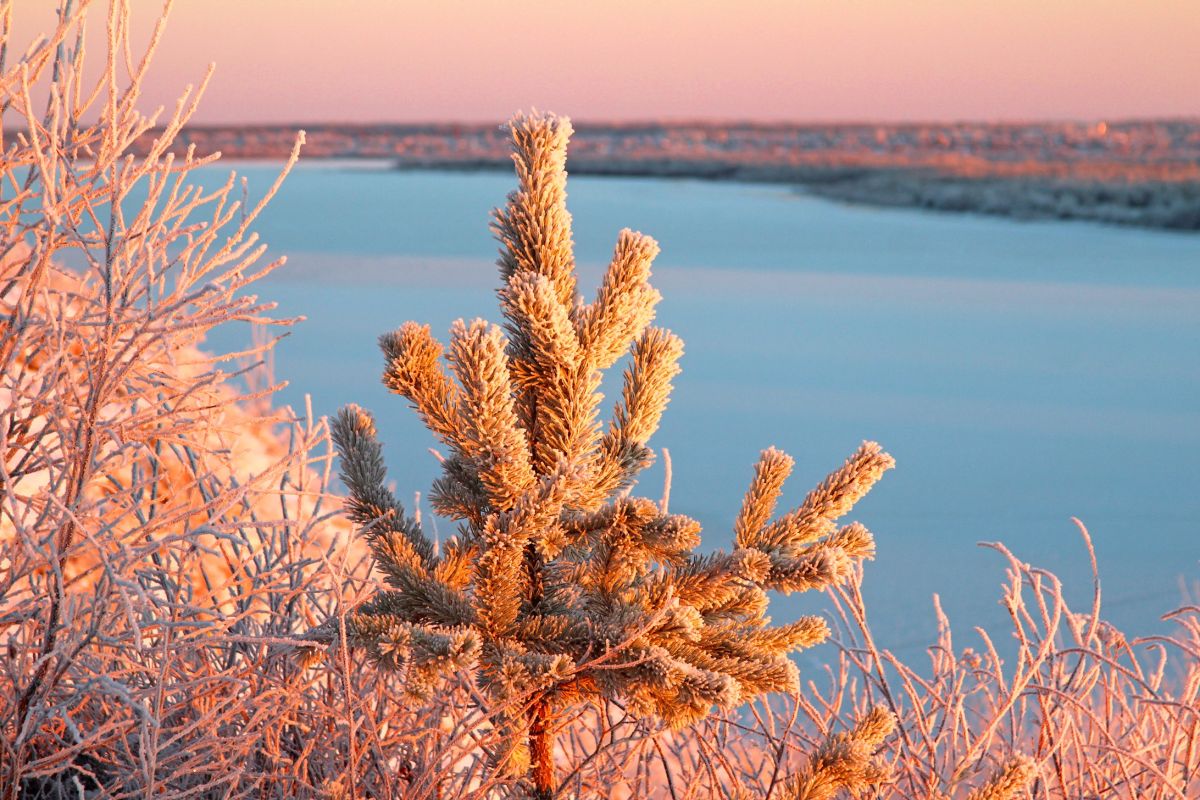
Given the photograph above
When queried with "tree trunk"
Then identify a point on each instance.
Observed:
(541, 748)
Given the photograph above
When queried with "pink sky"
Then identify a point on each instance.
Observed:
(401, 60)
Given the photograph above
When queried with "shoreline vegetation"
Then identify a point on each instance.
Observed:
(1141, 173)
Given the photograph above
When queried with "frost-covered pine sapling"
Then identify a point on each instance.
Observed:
(560, 588)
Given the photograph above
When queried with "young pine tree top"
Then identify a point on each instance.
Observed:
(560, 587)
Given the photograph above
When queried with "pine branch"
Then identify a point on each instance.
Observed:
(624, 304)
(773, 468)
(412, 369)
(394, 537)
(844, 761)
(490, 434)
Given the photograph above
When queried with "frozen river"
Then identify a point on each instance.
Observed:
(1020, 373)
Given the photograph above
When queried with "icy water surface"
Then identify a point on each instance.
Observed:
(1020, 373)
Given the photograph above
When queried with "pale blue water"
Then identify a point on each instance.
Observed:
(1020, 373)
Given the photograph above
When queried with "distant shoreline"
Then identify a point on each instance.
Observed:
(1143, 173)
(1158, 205)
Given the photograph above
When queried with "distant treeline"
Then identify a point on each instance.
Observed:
(1134, 172)
(1161, 204)
(1150, 204)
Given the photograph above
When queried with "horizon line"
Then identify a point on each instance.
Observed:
(726, 121)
